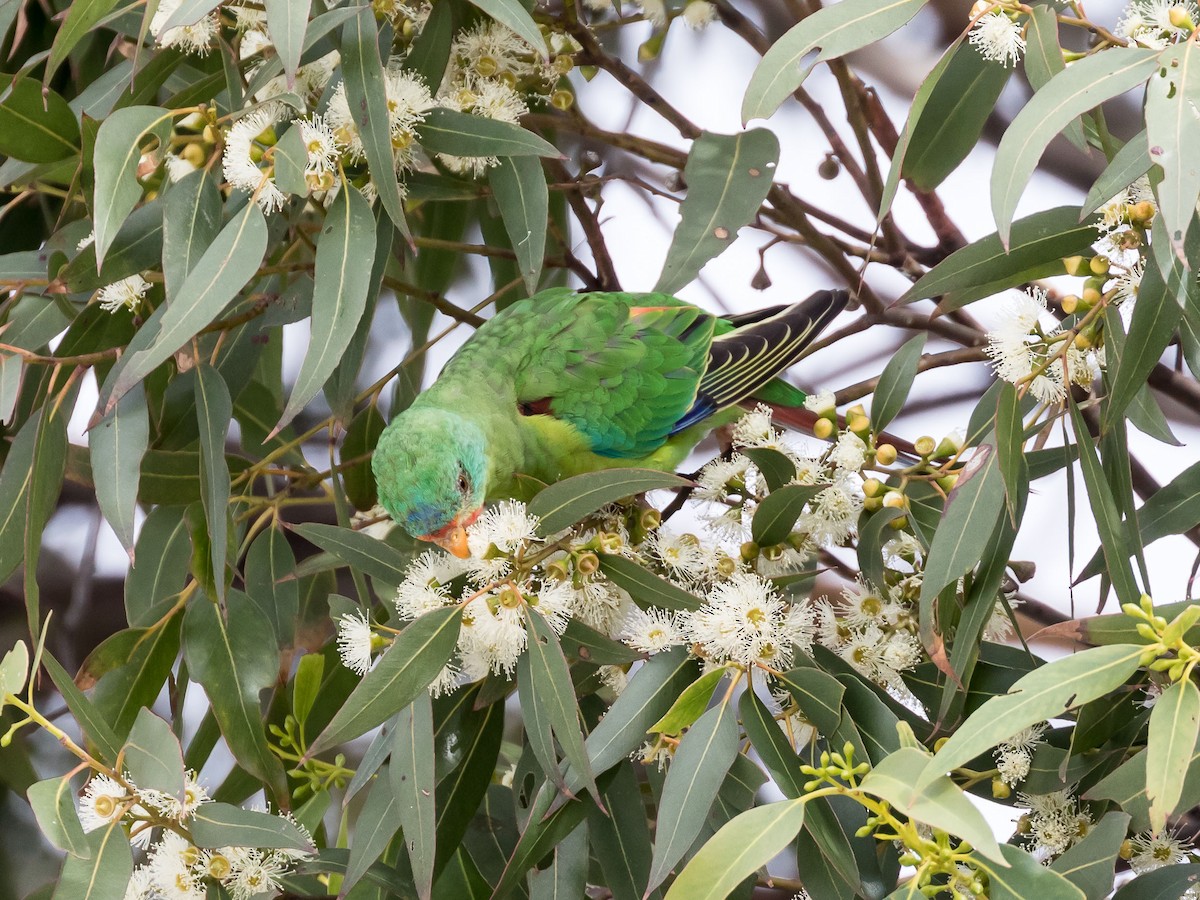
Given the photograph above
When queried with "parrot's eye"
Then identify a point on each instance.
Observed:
(464, 482)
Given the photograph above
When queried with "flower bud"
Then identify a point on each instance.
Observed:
(949, 445)
(885, 454)
(897, 523)
(871, 487)
(947, 482)
(860, 425)
(1069, 304)
(749, 551)
(1126, 851)
(1090, 297)
(1000, 790)
(823, 429)
(587, 563)
(194, 154)
(829, 168)
(1075, 265)
(1142, 212)
(1179, 17)
(895, 500)
(924, 445)
(1098, 265)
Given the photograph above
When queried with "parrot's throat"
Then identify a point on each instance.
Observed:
(453, 537)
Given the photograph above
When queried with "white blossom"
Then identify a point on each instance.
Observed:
(744, 620)
(754, 429)
(492, 639)
(717, 476)
(354, 642)
(820, 402)
(655, 11)
(126, 293)
(699, 14)
(425, 584)
(104, 801)
(259, 874)
(1014, 756)
(1153, 851)
(238, 163)
(849, 453)
(1148, 22)
(1055, 822)
(507, 526)
(193, 38)
(998, 38)
(832, 514)
(651, 630)
(172, 806)
(177, 167)
(684, 557)
(321, 149)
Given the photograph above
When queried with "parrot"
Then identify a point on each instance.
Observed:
(567, 382)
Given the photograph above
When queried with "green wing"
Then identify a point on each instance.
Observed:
(621, 368)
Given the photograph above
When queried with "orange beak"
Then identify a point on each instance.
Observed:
(454, 540)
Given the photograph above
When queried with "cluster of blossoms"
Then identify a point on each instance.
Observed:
(1030, 346)
(1147, 852)
(175, 869)
(1015, 756)
(1158, 23)
(1053, 824)
(696, 14)
(746, 615)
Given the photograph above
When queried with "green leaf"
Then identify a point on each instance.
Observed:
(306, 686)
(374, 828)
(138, 680)
(343, 268)
(589, 645)
(402, 672)
(1104, 508)
(743, 845)
(1044, 60)
(159, 566)
(291, 158)
(462, 134)
(460, 793)
(647, 589)
(357, 549)
(938, 802)
(1089, 864)
(189, 12)
(519, 187)
(915, 110)
(650, 693)
(1024, 878)
(1010, 452)
(728, 177)
(190, 222)
(94, 725)
(872, 535)
(138, 246)
(363, 75)
(1085, 84)
(223, 825)
(286, 23)
(214, 409)
(1174, 727)
(775, 468)
(951, 123)
(1045, 693)
(104, 873)
(972, 509)
(218, 276)
(1167, 883)
(819, 695)
(81, 20)
(1036, 248)
(154, 757)
(14, 670)
(777, 514)
(690, 706)
(1152, 327)
(55, 813)
(36, 128)
(16, 476)
(414, 783)
(829, 33)
(701, 760)
(571, 500)
(118, 150)
(1129, 164)
(515, 16)
(567, 875)
(896, 381)
(772, 745)
(553, 692)
(621, 840)
(359, 443)
(1172, 126)
(269, 564)
(232, 663)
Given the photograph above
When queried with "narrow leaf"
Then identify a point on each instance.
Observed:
(404, 670)
(1082, 86)
(462, 134)
(154, 757)
(895, 382)
(191, 220)
(214, 409)
(571, 500)
(519, 186)
(221, 272)
(104, 873)
(413, 783)
(727, 177)
(743, 845)
(117, 445)
(118, 149)
(1174, 725)
(224, 825)
(286, 23)
(343, 269)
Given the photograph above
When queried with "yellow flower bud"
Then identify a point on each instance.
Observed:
(860, 425)
(895, 500)
(872, 486)
(1075, 265)
(823, 429)
(749, 551)
(897, 523)
(1000, 790)
(1098, 265)
(1069, 304)
(885, 454)
(194, 154)
(925, 445)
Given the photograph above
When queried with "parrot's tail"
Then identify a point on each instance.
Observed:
(765, 344)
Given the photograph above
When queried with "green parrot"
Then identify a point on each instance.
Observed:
(566, 382)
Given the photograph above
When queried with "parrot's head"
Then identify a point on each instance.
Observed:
(431, 470)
